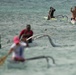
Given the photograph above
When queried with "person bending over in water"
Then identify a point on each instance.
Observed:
(73, 13)
(51, 13)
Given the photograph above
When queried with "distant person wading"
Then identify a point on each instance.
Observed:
(73, 11)
(51, 13)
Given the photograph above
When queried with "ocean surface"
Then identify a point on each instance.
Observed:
(16, 14)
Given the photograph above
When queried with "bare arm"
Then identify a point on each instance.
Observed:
(10, 51)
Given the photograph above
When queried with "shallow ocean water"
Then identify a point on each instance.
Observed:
(16, 14)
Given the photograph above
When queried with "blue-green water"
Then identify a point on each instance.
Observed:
(15, 14)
